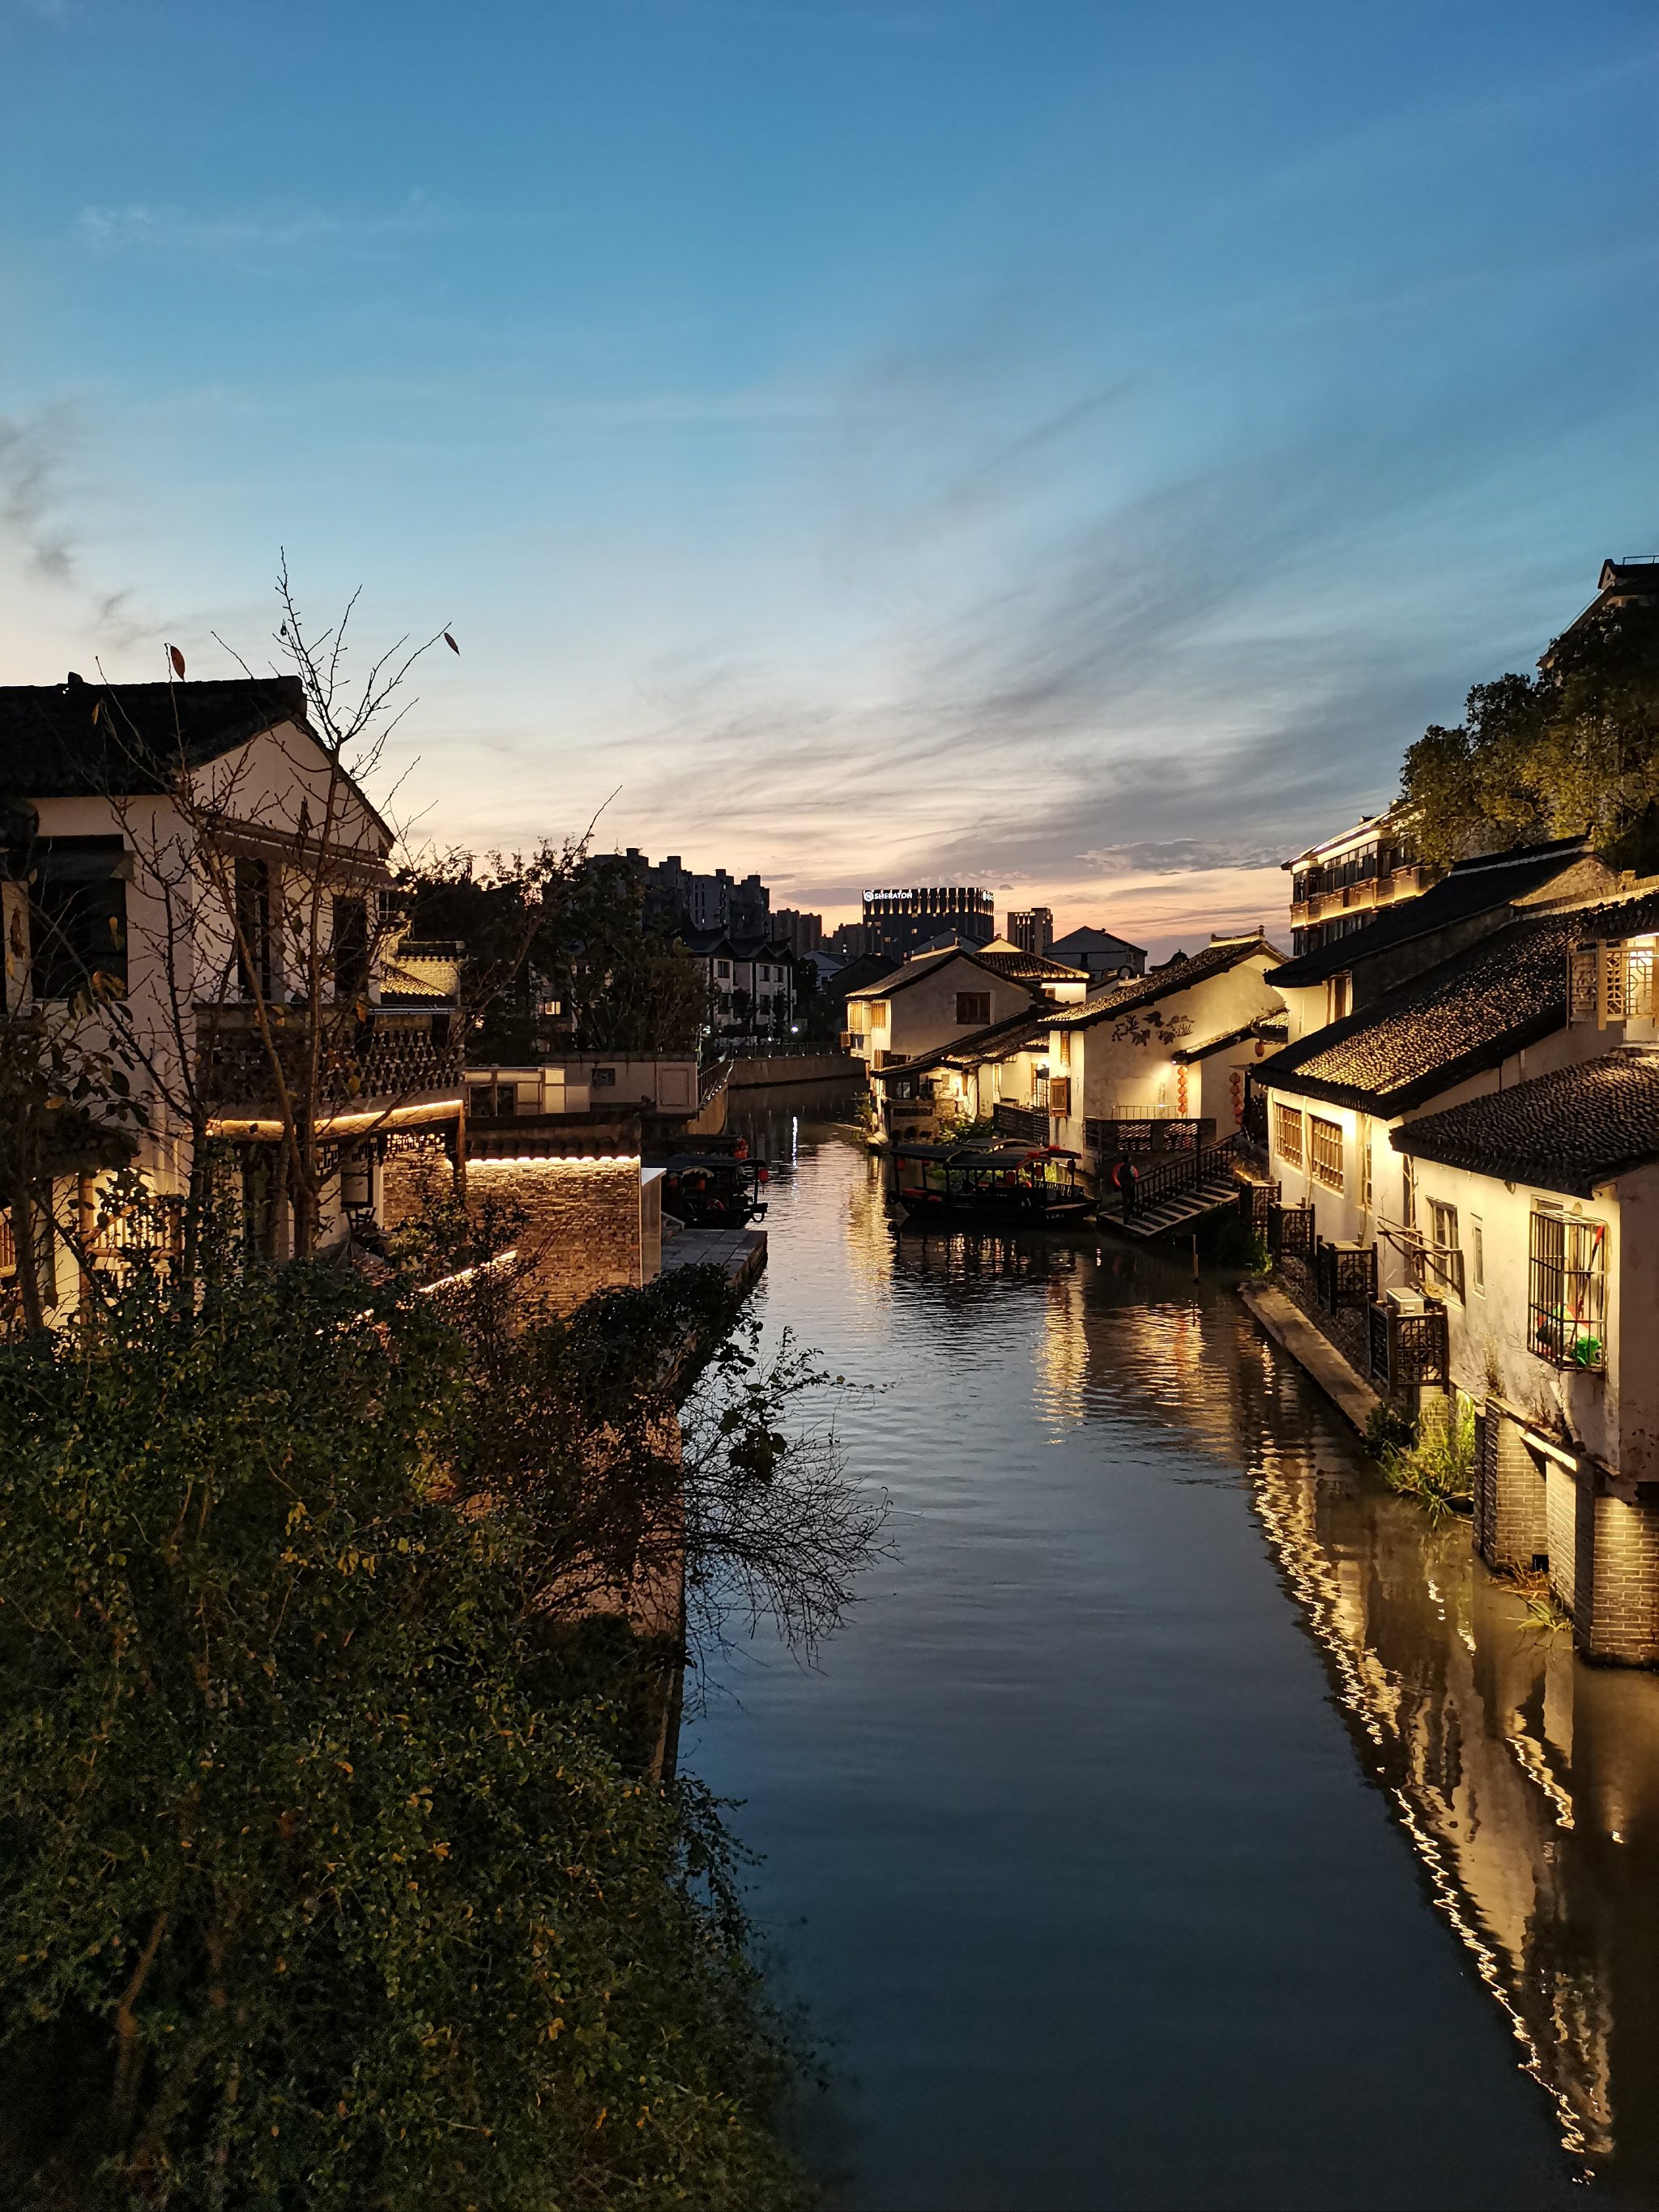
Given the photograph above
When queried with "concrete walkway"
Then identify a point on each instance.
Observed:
(1285, 1322)
(741, 1252)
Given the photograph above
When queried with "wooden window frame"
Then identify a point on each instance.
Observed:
(1325, 1150)
(1285, 1117)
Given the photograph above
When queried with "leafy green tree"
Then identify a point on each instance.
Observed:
(1573, 747)
(563, 927)
(326, 1880)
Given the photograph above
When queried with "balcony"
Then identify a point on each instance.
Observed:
(1029, 1123)
(392, 1065)
(1132, 1139)
(1409, 1350)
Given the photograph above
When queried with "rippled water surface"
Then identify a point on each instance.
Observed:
(1177, 1821)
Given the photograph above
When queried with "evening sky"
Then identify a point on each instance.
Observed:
(1073, 448)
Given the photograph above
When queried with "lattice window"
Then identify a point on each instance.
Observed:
(1568, 1306)
(1325, 1148)
(1609, 982)
(1287, 1134)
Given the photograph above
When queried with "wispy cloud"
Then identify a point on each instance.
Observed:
(140, 227)
(31, 452)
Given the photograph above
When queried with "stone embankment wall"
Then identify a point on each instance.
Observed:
(764, 1074)
(581, 1230)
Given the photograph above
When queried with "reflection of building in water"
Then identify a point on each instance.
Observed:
(1526, 1780)
(1464, 1716)
(1061, 1352)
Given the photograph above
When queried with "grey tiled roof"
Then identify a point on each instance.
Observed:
(1567, 1132)
(1142, 990)
(52, 747)
(1461, 1019)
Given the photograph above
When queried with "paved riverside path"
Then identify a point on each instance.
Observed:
(1287, 1325)
(741, 1252)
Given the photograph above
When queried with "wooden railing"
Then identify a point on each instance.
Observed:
(386, 1056)
(1408, 1349)
(1290, 1232)
(1344, 1275)
(1130, 1139)
(1182, 1171)
(1256, 1202)
(1029, 1122)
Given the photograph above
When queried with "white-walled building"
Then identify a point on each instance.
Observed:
(189, 879)
(1177, 1046)
(1498, 1015)
(1545, 1201)
(935, 999)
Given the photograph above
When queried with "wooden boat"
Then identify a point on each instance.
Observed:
(1033, 1185)
(714, 1190)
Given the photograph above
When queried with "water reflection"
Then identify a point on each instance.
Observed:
(1104, 1382)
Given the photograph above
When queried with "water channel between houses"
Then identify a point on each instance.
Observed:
(1178, 1820)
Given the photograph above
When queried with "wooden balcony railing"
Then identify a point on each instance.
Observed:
(1133, 1138)
(1029, 1122)
(1345, 1276)
(1290, 1232)
(1256, 1202)
(380, 1061)
(1408, 1349)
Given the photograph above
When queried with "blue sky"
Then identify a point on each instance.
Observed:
(1073, 448)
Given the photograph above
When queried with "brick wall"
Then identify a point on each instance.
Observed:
(1561, 1516)
(1616, 1600)
(582, 1228)
(1510, 1520)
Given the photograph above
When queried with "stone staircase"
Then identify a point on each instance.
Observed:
(1174, 1194)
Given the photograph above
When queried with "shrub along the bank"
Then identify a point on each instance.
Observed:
(324, 1880)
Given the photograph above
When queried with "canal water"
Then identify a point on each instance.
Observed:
(1177, 1821)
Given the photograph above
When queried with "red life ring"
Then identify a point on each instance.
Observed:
(1125, 1175)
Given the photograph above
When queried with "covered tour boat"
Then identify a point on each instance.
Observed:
(714, 1190)
(1035, 1185)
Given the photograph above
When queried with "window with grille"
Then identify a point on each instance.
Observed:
(1287, 1134)
(1325, 1151)
(1363, 1138)
(1059, 1094)
(973, 1009)
(1568, 1302)
(1478, 1255)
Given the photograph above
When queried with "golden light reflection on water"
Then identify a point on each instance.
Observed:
(1526, 1784)
(1465, 1806)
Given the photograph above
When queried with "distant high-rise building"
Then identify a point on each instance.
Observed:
(802, 932)
(850, 939)
(896, 921)
(1032, 928)
(674, 893)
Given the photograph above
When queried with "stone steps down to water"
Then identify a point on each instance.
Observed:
(1177, 1211)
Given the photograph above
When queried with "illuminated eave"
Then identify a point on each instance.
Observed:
(356, 1121)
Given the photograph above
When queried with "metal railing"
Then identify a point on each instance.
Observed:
(1182, 1171)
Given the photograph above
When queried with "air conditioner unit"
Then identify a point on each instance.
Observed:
(1406, 1301)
